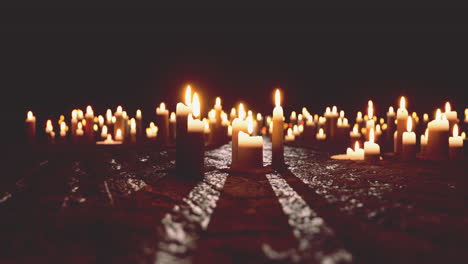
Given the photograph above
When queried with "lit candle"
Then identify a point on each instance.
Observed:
(133, 131)
(371, 149)
(139, 124)
(466, 115)
(74, 122)
(232, 115)
(331, 121)
(196, 145)
(172, 126)
(118, 135)
(390, 126)
(229, 131)
(409, 142)
(358, 153)
(182, 150)
(424, 143)
(162, 120)
(108, 141)
(402, 116)
(289, 135)
(119, 121)
(79, 133)
(359, 119)
(355, 135)
(370, 123)
(63, 131)
(104, 132)
(293, 118)
(89, 117)
(452, 116)
(455, 144)
(250, 150)
(31, 127)
(108, 117)
(277, 133)
(239, 124)
(321, 136)
(437, 144)
(50, 131)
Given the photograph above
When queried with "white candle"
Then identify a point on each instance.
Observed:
(452, 116)
(371, 149)
(289, 135)
(402, 116)
(109, 117)
(109, 141)
(455, 144)
(321, 136)
(172, 126)
(239, 124)
(250, 150)
(277, 133)
(437, 144)
(119, 121)
(31, 127)
(89, 117)
(139, 124)
(409, 142)
(162, 120)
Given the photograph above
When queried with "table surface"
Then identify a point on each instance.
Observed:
(125, 205)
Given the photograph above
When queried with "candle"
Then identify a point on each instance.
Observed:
(452, 116)
(402, 116)
(232, 115)
(277, 133)
(424, 142)
(133, 131)
(89, 117)
(437, 144)
(466, 115)
(229, 131)
(293, 117)
(250, 149)
(78, 133)
(182, 150)
(118, 135)
(371, 149)
(31, 127)
(49, 129)
(409, 142)
(63, 131)
(139, 124)
(289, 135)
(119, 121)
(162, 120)
(370, 123)
(152, 132)
(331, 118)
(455, 144)
(342, 128)
(108, 141)
(104, 132)
(321, 136)
(172, 126)
(196, 145)
(239, 124)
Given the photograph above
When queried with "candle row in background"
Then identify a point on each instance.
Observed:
(439, 138)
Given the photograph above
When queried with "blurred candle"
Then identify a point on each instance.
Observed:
(437, 144)
(182, 150)
(277, 134)
(119, 121)
(409, 142)
(196, 145)
(250, 149)
(109, 117)
(402, 116)
(162, 120)
(452, 116)
(239, 124)
(172, 126)
(455, 144)
(108, 141)
(355, 135)
(424, 142)
(74, 122)
(321, 136)
(356, 154)
(31, 127)
(289, 135)
(139, 124)
(104, 132)
(371, 149)
(89, 117)
(232, 115)
(293, 118)
(118, 135)
(331, 121)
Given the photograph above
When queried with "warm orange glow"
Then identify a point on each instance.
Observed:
(212, 114)
(259, 117)
(162, 107)
(426, 117)
(104, 131)
(173, 117)
(101, 120)
(341, 113)
(327, 110)
(74, 114)
(355, 129)
(118, 135)
(113, 120)
(359, 115)
(63, 126)
(290, 132)
(79, 126)
(95, 127)
(30, 116)
(119, 109)
(356, 145)
(448, 108)
(196, 106)
(409, 124)
(370, 109)
(138, 114)
(455, 130)
(371, 135)
(188, 95)
(277, 98)
(321, 133)
(463, 135)
(391, 110)
(334, 109)
(403, 103)
(438, 114)
(89, 110)
(233, 111)
(218, 101)
(132, 124)
(108, 115)
(83, 122)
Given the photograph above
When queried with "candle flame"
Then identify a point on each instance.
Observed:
(173, 116)
(196, 106)
(321, 132)
(409, 124)
(356, 145)
(95, 127)
(359, 115)
(30, 115)
(259, 117)
(391, 110)
(119, 109)
(118, 134)
(355, 129)
(327, 110)
(334, 109)
(89, 110)
(138, 113)
(463, 135)
(74, 114)
(241, 111)
(426, 117)
(290, 132)
(132, 124)
(438, 114)
(250, 125)
(426, 133)
(218, 101)
(293, 115)
(108, 115)
(403, 103)
(162, 107)
(448, 108)
(371, 135)
(342, 113)
(455, 130)
(277, 98)
(104, 131)
(63, 126)
(79, 126)
(188, 95)
(370, 110)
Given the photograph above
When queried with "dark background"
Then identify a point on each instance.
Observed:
(52, 61)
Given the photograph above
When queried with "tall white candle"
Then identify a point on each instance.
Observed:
(371, 149)
(409, 142)
(437, 144)
(277, 133)
(162, 120)
(31, 127)
(402, 116)
(239, 124)
(455, 144)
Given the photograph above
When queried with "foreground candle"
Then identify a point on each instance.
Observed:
(402, 116)
(277, 134)
(196, 145)
(371, 149)
(455, 144)
(437, 144)
(250, 150)
(409, 142)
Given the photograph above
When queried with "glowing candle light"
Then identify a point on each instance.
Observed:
(108, 141)
(409, 142)
(371, 149)
(79, 133)
(63, 130)
(466, 115)
(233, 114)
(239, 124)
(437, 144)
(229, 132)
(109, 117)
(104, 132)
(451, 116)
(89, 117)
(293, 117)
(355, 135)
(119, 122)
(74, 122)
(289, 137)
(277, 133)
(331, 118)
(162, 120)
(424, 142)
(100, 120)
(182, 150)
(455, 144)
(172, 126)
(321, 136)
(139, 124)
(259, 124)
(250, 155)
(370, 113)
(358, 153)
(31, 127)
(402, 116)
(196, 145)
(359, 120)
